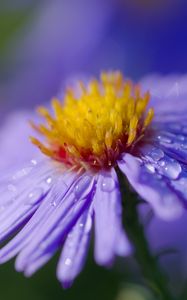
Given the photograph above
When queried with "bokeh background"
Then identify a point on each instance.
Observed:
(45, 44)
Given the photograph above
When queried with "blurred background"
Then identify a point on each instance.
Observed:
(43, 45)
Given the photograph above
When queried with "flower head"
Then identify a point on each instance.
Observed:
(96, 127)
(58, 197)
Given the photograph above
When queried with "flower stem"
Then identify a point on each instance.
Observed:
(148, 263)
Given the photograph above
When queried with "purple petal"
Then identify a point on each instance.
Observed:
(22, 194)
(165, 163)
(30, 230)
(56, 226)
(166, 93)
(109, 236)
(152, 187)
(171, 137)
(75, 249)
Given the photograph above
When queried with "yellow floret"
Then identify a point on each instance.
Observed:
(106, 113)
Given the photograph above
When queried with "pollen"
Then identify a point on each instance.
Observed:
(95, 123)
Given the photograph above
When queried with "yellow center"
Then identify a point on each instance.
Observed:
(93, 128)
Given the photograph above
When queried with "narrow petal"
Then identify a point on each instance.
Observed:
(109, 236)
(166, 93)
(21, 194)
(28, 233)
(75, 249)
(152, 186)
(54, 229)
(171, 137)
(169, 164)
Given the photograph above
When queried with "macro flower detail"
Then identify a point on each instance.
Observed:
(94, 128)
(72, 185)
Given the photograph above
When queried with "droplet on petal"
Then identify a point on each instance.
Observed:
(68, 262)
(35, 196)
(108, 184)
(170, 168)
(150, 168)
(82, 185)
(156, 154)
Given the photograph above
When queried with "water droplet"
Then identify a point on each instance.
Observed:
(34, 162)
(164, 139)
(82, 185)
(88, 225)
(170, 168)
(108, 184)
(21, 173)
(156, 154)
(12, 188)
(53, 203)
(68, 262)
(49, 180)
(162, 163)
(150, 168)
(35, 196)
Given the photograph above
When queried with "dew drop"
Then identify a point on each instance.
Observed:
(68, 262)
(49, 180)
(21, 173)
(34, 162)
(82, 185)
(162, 163)
(108, 184)
(156, 154)
(164, 139)
(35, 196)
(88, 225)
(170, 168)
(150, 168)
(12, 188)
(53, 203)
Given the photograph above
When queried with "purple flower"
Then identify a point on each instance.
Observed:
(55, 201)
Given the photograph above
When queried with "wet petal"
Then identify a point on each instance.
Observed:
(28, 233)
(152, 186)
(109, 236)
(75, 249)
(171, 137)
(22, 193)
(54, 229)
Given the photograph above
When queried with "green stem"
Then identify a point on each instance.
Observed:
(151, 271)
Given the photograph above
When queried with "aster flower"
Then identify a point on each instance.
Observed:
(56, 198)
